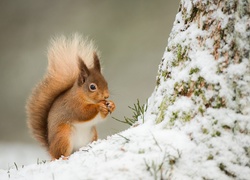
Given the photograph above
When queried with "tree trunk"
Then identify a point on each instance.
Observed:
(203, 83)
(206, 61)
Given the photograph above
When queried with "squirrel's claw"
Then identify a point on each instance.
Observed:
(111, 106)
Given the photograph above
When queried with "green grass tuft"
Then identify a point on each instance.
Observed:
(138, 110)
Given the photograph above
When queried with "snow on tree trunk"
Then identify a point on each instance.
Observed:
(206, 63)
(197, 123)
(203, 84)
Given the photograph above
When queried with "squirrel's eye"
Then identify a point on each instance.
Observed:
(92, 87)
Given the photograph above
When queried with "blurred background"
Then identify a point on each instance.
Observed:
(131, 36)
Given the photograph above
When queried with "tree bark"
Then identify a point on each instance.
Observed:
(206, 60)
(204, 81)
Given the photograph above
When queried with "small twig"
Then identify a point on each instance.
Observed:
(16, 165)
(127, 140)
(127, 121)
(156, 142)
(8, 173)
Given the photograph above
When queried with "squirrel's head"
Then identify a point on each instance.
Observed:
(92, 82)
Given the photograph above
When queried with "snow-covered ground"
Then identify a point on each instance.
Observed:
(20, 154)
(139, 152)
(147, 152)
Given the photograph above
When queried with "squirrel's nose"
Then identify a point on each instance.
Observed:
(106, 95)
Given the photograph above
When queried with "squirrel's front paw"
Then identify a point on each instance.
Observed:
(103, 108)
(111, 106)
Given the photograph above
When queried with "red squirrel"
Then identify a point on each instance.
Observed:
(71, 99)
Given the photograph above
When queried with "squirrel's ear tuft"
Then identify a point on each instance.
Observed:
(84, 71)
(97, 65)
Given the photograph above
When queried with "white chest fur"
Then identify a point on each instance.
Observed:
(82, 133)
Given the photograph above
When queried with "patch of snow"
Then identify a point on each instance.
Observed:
(20, 154)
(143, 152)
(237, 69)
(241, 26)
(132, 154)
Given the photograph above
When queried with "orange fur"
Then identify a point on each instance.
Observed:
(60, 144)
(95, 135)
(64, 97)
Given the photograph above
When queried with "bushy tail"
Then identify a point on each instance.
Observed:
(61, 74)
